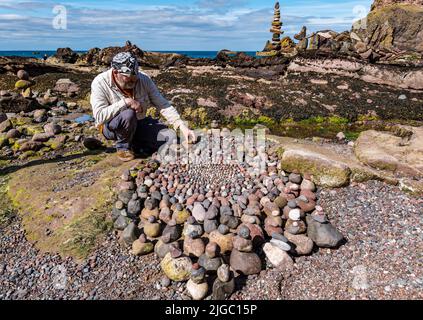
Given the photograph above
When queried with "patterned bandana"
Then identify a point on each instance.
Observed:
(125, 63)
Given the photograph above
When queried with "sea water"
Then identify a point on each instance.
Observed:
(191, 54)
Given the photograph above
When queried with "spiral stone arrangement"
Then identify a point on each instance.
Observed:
(212, 222)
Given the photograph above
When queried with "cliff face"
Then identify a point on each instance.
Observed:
(394, 25)
(377, 4)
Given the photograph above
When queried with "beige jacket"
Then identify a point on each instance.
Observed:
(107, 100)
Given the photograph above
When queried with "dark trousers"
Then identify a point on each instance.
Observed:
(133, 134)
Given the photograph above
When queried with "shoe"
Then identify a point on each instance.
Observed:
(142, 153)
(125, 155)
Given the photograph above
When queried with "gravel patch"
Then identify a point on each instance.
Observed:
(381, 260)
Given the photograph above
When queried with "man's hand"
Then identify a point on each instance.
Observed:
(133, 104)
(188, 134)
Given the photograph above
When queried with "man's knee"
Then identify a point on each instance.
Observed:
(129, 118)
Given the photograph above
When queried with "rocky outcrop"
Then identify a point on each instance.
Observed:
(90, 58)
(326, 172)
(31, 65)
(396, 152)
(393, 27)
(326, 167)
(409, 78)
(16, 103)
(378, 4)
(65, 55)
(103, 57)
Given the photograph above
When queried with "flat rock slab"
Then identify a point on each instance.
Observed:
(64, 203)
(326, 172)
(390, 152)
(327, 167)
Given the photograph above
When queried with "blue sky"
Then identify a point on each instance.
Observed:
(166, 24)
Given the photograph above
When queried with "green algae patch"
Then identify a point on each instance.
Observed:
(7, 212)
(65, 205)
(325, 172)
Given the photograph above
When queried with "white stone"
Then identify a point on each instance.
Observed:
(295, 214)
(198, 212)
(281, 244)
(360, 281)
(278, 257)
(341, 136)
(197, 291)
(148, 182)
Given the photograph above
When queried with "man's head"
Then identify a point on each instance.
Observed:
(125, 70)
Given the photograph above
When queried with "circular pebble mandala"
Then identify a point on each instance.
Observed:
(210, 219)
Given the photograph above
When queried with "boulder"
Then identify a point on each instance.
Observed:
(92, 143)
(394, 25)
(141, 248)
(52, 128)
(16, 103)
(129, 234)
(31, 146)
(223, 241)
(413, 186)
(391, 152)
(5, 126)
(278, 257)
(22, 75)
(161, 249)
(176, 269)
(303, 245)
(326, 172)
(194, 247)
(247, 263)
(197, 291)
(323, 235)
(223, 290)
(67, 87)
(3, 117)
(66, 55)
(24, 84)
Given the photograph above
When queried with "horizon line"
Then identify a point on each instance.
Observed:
(18, 50)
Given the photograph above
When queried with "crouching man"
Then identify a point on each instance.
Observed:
(120, 98)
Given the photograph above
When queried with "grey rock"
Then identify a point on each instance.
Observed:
(197, 276)
(134, 207)
(231, 221)
(210, 264)
(223, 229)
(281, 244)
(121, 222)
(174, 232)
(224, 273)
(210, 225)
(130, 234)
(244, 232)
(295, 178)
(92, 143)
(247, 263)
(279, 237)
(292, 204)
(323, 235)
(212, 213)
(125, 196)
(222, 290)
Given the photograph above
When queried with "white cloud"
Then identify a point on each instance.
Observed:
(211, 25)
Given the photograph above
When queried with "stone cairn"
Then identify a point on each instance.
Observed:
(276, 30)
(24, 83)
(207, 219)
